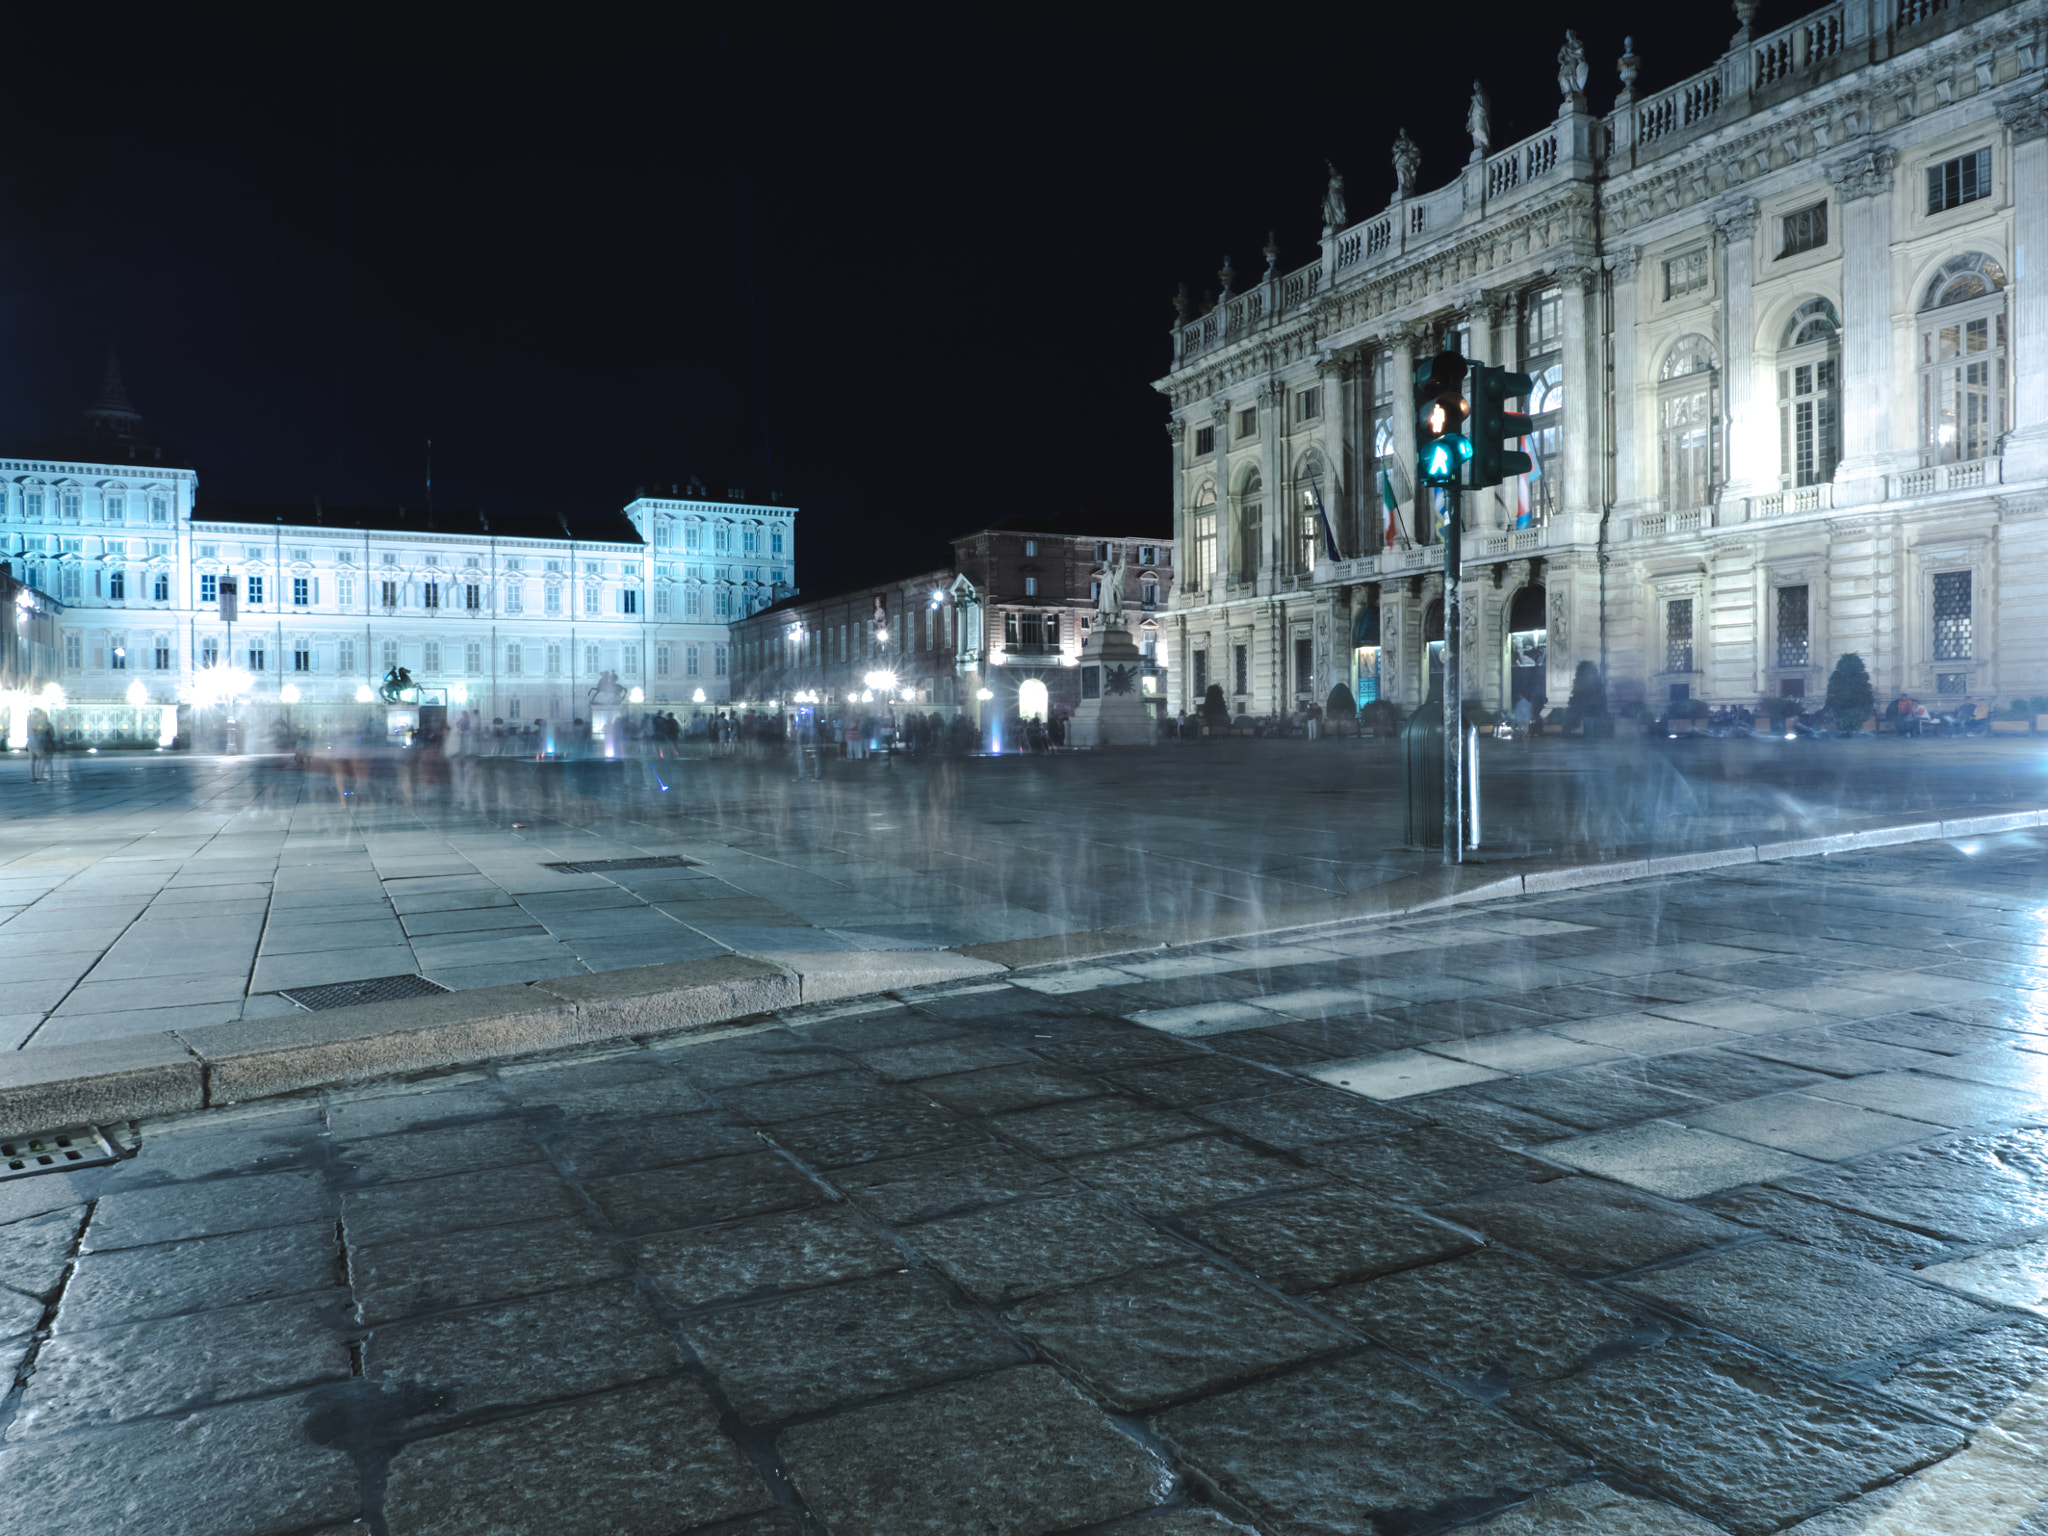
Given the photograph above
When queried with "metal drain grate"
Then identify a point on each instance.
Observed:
(82, 1146)
(619, 866)
(347, 994)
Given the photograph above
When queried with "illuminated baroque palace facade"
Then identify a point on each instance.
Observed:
(516, 616)
(1788, 323)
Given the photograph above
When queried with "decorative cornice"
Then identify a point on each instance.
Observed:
(1177, 429)
(1867, 173)
(2025, 117)
(1624, 261)
(1271, 392)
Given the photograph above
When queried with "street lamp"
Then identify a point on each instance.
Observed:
(364, 694)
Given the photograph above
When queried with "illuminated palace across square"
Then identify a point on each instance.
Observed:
(1791, 390)
(515, 616)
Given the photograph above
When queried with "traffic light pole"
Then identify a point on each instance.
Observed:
(1454, 690)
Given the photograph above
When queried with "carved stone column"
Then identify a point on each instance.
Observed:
(1272, 399)
(1413, 514)
(1629, 446)
(1582, 389)
(1751, 459)
(2026, 447)
(1864, 182)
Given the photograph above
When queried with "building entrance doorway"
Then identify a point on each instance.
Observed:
(1032, 699)
(1528, 650)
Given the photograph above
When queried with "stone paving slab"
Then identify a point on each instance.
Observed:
(988, 1248)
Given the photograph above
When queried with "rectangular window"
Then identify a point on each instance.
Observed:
(302, 591)
(473, 658)
(302, 656)
(554, 661)
(1685, 273)
(1031, 586)
(1792, 627)
(721, 538)
(256, 656)
(1806, 230)
(718, 660)
(1148, 554)
(1678, 635)
(67, 505)
(430, 660)
(1240, 670)
(1951, 682)
(590, 608)
(629, 660)
(775, 541)
(515, 597)
(1102, 551)
(629, 600)
(390, 654)
(723, 604)
(661, 661)
(515, 659)
(750, 541)
(693, 602)
(117, 586)
(1199, 668)
(1247, 423)
(163, 654)
(160, 588)
(693, 538)
(209, 651)
(1031, 549)
(255, 590)
(472, 597)
(209, 589)
(345, 657)
(690, 661)
(661, 602)
(1205, 440)
(159, 510)
(1952, 616)
(1961, 180)
(388, 592)
(430, 594)
(1149, 594)
(1308, 404)
(1304, 665)
(117, 509)
(345, 590)
(117, 653)
(551, 604)
(590, 664)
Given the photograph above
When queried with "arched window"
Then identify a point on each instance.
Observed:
(1201, 538)
(1250, 525)
(1810, 394)
(1688, 422)
(1545, 447)
(1962, 360)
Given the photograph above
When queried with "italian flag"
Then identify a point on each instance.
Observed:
(1390, 500)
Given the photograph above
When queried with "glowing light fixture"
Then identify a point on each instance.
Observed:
(637, 696)
(459, 694)
(137, 693)
(983, 694)
(697, 697)
(364, 695)
(289, 693)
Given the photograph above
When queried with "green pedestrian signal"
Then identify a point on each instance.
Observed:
(1441, 447)
(1493, 424)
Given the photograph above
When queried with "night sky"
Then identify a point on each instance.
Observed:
(925, 264)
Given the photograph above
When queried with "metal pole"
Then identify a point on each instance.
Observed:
(1454, 692)
(1472, 778)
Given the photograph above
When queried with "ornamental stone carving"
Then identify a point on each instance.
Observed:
(1271, 392)
(1559, 638)
(1177, 430)
(1867, 173)
(2025, 118)
(1624, 262)
(1739, 220)
(1571, 74)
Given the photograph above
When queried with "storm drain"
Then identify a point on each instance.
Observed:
(80, 1147)
(620, 866)
(349, 994)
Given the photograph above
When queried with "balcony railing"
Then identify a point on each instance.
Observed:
(1804, 498)
(1657, 525)
(1940, 479)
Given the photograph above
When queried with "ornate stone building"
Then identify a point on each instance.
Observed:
(1788, 320)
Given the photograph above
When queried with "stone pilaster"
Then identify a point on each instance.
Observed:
(1582, 389)
(1864, 182)
(2026, 126)
(1751, 460)
(1625, 266)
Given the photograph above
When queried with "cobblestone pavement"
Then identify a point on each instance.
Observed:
(161, 893)
(1718, 1203)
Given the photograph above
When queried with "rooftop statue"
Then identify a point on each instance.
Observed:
(1407, 163)
(1479, 122)
(1571, 74)
(1333, 202)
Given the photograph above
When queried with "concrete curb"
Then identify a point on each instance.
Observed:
(138, 1077)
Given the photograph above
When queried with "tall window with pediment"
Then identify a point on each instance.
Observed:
(1543, 360)
(1688, 422)
(1810, 394)
(1312, 493)
(1250, 527)
(1385, 452)
(1963, 406)
(1201, 537)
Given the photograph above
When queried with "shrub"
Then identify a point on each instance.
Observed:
(1687, 709)
(1380, 717)
(1214, 710)
(1340, 705)
(1589, 693)
(1850, 699)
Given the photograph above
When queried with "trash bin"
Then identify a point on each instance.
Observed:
(1422, 770)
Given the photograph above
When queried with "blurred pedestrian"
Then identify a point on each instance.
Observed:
(39, 744)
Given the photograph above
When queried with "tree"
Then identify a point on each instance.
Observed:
(1589, 693)
(1340, 705)
(1850, 700)
(1214, 710)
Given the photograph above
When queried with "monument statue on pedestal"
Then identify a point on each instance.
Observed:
(1113, 711)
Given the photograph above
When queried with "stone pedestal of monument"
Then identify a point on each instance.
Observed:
(1113, 711)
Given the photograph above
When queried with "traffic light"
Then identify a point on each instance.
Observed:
(1441, 448)
(1493, 424)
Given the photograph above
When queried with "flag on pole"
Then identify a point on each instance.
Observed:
(1315, 499)
(1392, 493)
(1523, 518)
